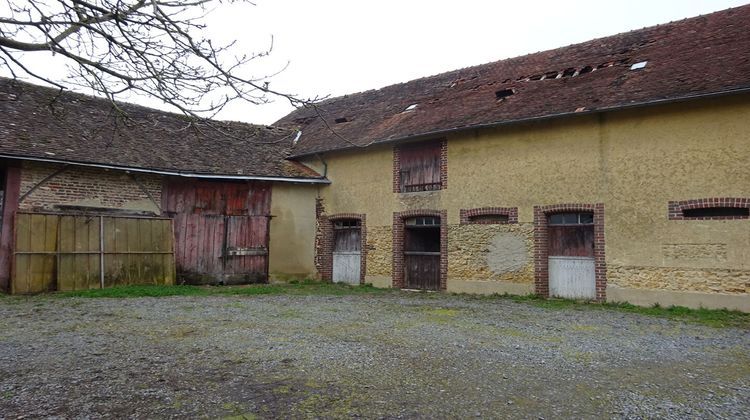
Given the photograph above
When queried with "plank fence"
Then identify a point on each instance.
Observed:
(78, 252)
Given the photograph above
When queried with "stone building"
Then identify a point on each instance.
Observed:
(616, 169)
(611, 170)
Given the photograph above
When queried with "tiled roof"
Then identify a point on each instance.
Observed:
(698, 56)
(38, 123)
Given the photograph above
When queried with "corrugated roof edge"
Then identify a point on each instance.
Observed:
(432, 134)
(185, 174)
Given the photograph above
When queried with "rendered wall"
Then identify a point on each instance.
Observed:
(292, 242)
(634, 162)
(87, 187)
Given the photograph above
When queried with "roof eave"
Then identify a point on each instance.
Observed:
(185, 174)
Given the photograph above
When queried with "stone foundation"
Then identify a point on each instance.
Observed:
(680, 279)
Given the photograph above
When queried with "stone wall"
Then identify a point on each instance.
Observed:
(55, 185)
(680, 279)
(502, 252)
(379, 251)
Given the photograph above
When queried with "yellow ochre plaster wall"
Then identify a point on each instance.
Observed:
(633, 161)
(292, 234)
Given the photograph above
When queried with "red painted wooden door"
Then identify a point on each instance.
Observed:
(221, 230)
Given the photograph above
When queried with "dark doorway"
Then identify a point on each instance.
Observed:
(422, 253)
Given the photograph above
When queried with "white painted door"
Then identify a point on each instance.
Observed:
(346, 267)
(347, 251)
(572, 277)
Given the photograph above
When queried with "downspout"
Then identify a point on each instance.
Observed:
(325, 164)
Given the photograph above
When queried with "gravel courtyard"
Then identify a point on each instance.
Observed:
(387, 355)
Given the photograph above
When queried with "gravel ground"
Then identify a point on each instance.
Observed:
(392, 356)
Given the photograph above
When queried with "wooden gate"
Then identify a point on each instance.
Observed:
(347, 251)
(77, 252)
(571, 256)
(422, 253)
(221, 230)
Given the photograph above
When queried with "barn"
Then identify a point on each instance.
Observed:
(611, 170)
(96, 195)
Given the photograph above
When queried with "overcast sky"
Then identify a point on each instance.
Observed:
(335, 47)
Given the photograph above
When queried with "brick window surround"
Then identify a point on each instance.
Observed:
(675, 208)
(398, 244)
(541, 250)
(443, 166)
(325, 247)
(510, 212)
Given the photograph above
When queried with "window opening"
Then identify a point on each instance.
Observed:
(420, 167)
(489, 218)
(716, 212)
(559, 219)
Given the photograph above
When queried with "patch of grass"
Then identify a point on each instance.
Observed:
(711, 317)
(300, 288)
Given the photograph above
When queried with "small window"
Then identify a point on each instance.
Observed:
(423, 221)
(571, 219)
(420, 167)
(489, 219)
(716, 212)
(347, 224)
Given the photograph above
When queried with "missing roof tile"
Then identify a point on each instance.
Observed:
(341, 120)
(570, 71)
(587, 69)
(504, 93)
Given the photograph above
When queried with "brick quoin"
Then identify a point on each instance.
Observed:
(675, 208)
(398, 244)
(510, 212)
(541, 249)
(324, 242)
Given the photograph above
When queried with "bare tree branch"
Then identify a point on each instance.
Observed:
(149, 47)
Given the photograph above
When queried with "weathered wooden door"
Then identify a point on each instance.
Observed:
(221, 230)
(347, 251)
(422, 253)
(571, 256)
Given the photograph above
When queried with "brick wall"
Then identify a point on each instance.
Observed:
(46, 186)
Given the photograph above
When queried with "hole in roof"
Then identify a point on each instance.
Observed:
(639, 65)
(504, 93)
(341, 120)
(411, 107)
(587, 69)
(551, 75)
(570, 71)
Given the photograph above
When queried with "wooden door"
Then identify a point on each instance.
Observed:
(347, 251)
(221, 230)
(571, 263)
(422, 253)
